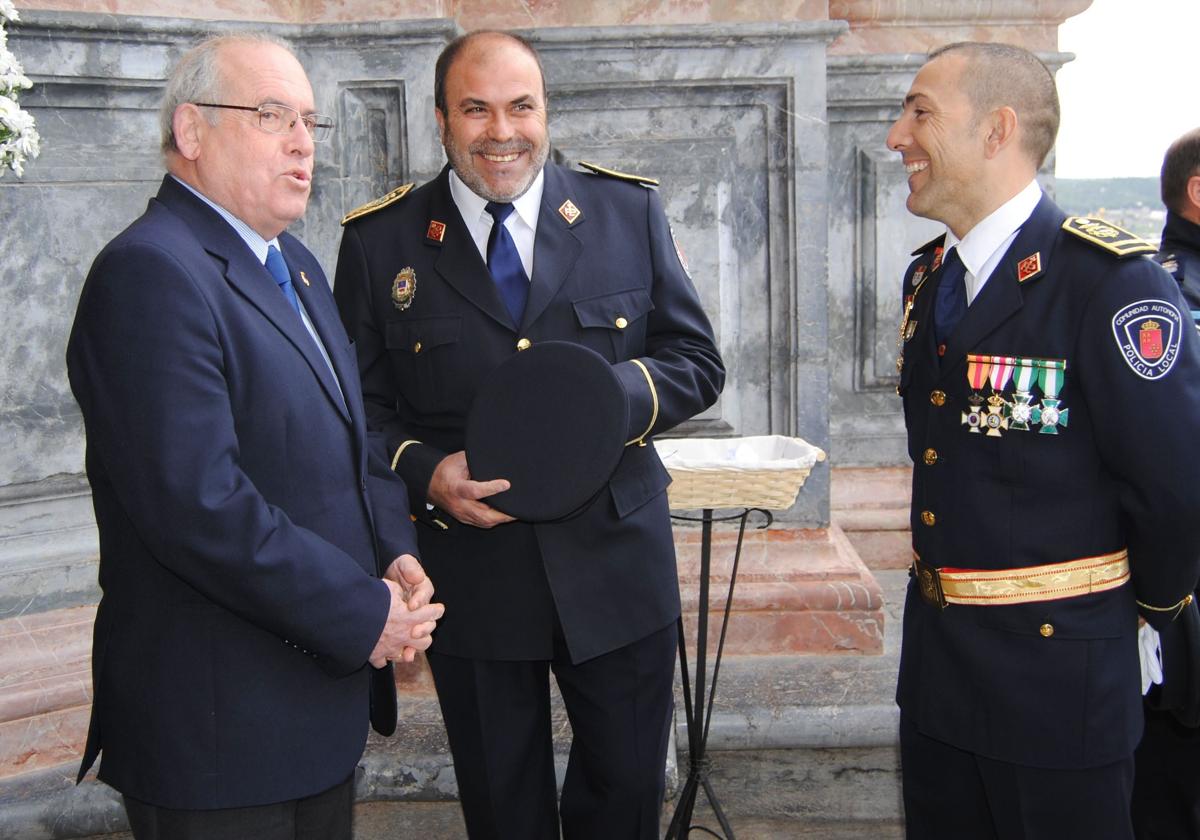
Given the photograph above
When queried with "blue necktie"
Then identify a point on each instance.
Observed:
(283, 277)
(504, 263)
(951, 302)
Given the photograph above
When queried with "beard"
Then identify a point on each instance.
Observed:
(462, 161)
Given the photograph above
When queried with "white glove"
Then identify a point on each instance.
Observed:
(1150, 655)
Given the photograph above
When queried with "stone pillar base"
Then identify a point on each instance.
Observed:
(798, 591)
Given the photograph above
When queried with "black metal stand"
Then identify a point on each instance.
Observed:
(697, 712)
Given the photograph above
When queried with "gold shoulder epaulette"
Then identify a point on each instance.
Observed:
(624, 176)
(930, 244)
(1108, 236)
(377, 203)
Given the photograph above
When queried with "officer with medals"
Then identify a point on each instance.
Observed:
(1049, 376)
(444, 288)
(1166, 791)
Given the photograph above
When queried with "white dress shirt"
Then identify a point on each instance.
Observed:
(985, 244)
(521, 223)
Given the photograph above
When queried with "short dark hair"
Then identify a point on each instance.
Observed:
(451, 51)
(1180, 163)
(1002, 74)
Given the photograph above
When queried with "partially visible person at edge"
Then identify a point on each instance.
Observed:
(595, 597)
(1166, 790)
(1179, 251)
(1048, 373)
(244, 523)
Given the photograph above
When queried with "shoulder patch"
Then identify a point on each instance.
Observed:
(1108, 236)
(377, 203)
(623, 176)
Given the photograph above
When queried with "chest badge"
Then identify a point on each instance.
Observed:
(404, 288)
(436, 231)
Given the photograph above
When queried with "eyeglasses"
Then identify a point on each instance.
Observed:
(280, 119)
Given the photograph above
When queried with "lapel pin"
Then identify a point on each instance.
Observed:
(1029, 267)
(304, 279)
(436, 231)
(569, 211)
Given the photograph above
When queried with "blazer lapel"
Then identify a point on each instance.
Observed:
(1002, 295)
(458, 261)
(332, 335)
(556, 247)
(250, 278)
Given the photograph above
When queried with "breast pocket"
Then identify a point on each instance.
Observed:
(423, 356)
(614, 324)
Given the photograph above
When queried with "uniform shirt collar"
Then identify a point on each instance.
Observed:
(521, 224)
(471, 206)
(985, 244)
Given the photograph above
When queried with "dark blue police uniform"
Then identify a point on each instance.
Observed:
(430, 328)
(1179, 253)
(1052, 429)
(1166, 791)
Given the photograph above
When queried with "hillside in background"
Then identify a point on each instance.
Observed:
(1131, 203)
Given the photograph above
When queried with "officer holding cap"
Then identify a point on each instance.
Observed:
(1050, 377)
(440, 287)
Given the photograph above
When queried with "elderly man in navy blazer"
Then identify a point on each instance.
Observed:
(256, 557)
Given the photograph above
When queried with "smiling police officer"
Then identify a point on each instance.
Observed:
(1049, 375)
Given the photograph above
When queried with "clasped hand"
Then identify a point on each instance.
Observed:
(412, 615)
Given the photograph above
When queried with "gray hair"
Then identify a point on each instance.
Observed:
(197, 78)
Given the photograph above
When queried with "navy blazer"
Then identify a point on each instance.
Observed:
(243, 519)
(1053, 683)
(606, 275)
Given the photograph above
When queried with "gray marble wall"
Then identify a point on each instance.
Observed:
(733, 119)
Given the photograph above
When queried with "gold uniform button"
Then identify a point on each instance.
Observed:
(928, 518)
(417, 347)
(938, 398)
(1047, 630)
(524, 344)
(931, 456)
(1187, 601)
(621, 323)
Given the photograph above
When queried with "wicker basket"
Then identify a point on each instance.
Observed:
(764, 471)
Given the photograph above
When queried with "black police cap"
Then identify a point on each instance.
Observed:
(551, 419)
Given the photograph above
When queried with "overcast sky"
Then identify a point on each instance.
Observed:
(1133, 87)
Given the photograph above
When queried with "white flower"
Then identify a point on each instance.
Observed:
(19, 139)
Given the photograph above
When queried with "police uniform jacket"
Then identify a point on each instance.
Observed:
(1179, 254)
(1053, 683)
(242, 519)
(430, 326)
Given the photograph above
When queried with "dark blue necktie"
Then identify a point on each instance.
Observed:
(504, 263)
(951, 302)
(283, 277)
